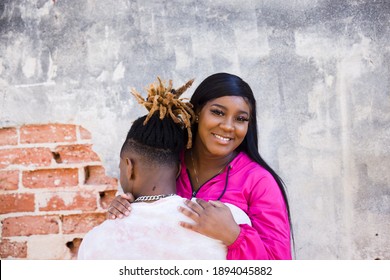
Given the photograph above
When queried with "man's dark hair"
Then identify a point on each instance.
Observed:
(158, 141)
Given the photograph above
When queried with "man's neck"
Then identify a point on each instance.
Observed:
(161, 182)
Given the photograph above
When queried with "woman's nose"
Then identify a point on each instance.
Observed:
(227, 124)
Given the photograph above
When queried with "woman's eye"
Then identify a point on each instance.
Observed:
(217, 112)
(242, 119)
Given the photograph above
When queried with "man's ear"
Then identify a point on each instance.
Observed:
(129, 168)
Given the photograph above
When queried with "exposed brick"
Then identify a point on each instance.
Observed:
(74, 246)
(106, 198)
(16, 203)
(85, 134)
(67, 200)
(76, 154)
(9, 180)
(96, 175)
(48, 133)
(50, 178)
(10, 249)
(81, 223)
(25, 156)
(8, 136)
(30, 225)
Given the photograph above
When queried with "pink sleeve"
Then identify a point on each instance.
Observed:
(269, 235)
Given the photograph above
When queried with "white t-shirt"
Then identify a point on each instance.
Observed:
(152, 231)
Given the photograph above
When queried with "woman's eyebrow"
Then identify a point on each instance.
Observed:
(223, 107)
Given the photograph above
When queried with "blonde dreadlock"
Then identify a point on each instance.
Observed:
(166, 100)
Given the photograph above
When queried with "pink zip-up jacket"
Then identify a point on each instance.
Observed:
(249, 186)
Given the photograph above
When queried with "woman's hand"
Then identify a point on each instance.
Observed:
(120, 206)
(212, 219)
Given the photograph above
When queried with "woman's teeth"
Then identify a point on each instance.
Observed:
(222, 138)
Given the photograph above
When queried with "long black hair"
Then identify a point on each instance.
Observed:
(224, 84)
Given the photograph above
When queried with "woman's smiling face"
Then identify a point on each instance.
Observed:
(223, 124)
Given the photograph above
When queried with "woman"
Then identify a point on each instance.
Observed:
(224, 165)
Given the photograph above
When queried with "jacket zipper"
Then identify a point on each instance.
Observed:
(194, 193)
(192, 186)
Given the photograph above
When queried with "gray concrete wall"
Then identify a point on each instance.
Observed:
(319, 69)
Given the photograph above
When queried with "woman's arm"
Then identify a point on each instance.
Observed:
(212, 219)
(269, 235)
(267, 238)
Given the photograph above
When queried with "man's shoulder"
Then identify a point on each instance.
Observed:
(101, 229)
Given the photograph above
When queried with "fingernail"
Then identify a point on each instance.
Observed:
(127, 213)
(113, 217)
(120, 216)
(129, 208)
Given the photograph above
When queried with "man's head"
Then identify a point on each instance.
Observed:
(155, 141)
(147, 147)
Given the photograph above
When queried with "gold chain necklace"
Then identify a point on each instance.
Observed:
(196, 173)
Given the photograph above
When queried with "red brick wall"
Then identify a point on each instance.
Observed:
(53, 189)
